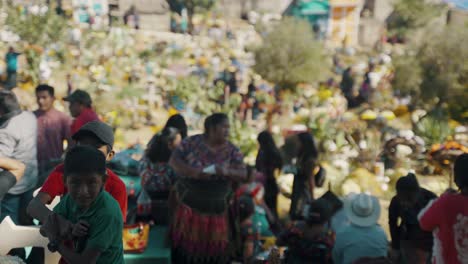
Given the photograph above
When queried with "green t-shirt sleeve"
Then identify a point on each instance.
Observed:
(62, 207)
(100, 233)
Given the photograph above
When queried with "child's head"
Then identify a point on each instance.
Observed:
(460, 171)
(319, 212)
(98, 135)
(407, 188)
(84, 174)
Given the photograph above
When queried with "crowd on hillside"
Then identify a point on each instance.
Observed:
(218, 209)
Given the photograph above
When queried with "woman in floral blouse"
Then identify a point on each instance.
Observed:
(206, 165)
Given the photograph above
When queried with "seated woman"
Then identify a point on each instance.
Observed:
(157, 177)
(310, 241)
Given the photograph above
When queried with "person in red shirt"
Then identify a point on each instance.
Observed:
(53, 128)
(81, 109)
(447, 218)
(96, 134)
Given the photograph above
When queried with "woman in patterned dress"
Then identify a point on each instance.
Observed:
(200, 231)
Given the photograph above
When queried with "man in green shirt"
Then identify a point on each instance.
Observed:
(96, 233)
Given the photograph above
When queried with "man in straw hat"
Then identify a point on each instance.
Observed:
(363, 237)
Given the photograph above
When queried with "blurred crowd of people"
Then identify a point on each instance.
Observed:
(217, 208)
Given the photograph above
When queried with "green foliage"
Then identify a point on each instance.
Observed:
(242, 135)
(38, 30)
(437, 75)
(407, 78)
(202, 100)
(201, 5)
(409, 15)
(433, 127)
(192, 7)
(444, 65)
(289, 55)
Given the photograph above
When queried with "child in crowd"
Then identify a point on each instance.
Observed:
(249, 235)
(447, 218)
(100, 136)
(96, 230)
(310, 241)
(263, 217)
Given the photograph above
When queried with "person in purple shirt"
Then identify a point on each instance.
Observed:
(53, 129)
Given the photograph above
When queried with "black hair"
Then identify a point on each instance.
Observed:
(250, 173)
(45, 88)
(246, 207)
(270, 150)
(308, 150)
(319, 212)
(158, 150)
(407, 184)
(214, 120)
(178, 121)
(333, 201)
(83, 160)
(460, 170)
(8, 102)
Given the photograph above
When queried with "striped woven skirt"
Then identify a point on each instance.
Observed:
(200, 231)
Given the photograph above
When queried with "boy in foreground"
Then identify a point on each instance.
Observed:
(95, 134)
(96, 218)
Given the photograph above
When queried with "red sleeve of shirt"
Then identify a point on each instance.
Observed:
(116, 188)
(429, 217)
(76, 125)
(85, 117)
(53, 185)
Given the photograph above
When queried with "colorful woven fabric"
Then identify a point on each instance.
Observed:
(200, 234)
(304, 249)
(156, 177)
(200, 230)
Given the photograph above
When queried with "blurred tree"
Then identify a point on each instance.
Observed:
(409, 15)
(38, 29)
(436, 75)
(289, 55)
(408, 77)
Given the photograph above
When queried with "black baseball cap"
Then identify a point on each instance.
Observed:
(101, 130)
(79, 96)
